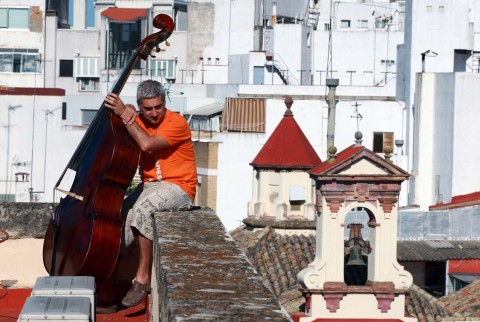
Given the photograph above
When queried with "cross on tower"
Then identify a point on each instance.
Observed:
(357, 115)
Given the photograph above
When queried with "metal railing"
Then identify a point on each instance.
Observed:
(283, 71)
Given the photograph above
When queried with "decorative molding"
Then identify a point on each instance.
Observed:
(361, 192)
(333, 301)
(384, 301)
(335, 287)
(334, 203)
(313, 279)
(387, 203)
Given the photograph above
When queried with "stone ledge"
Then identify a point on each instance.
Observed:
(25, 219)
(202, 275)
(284, 224)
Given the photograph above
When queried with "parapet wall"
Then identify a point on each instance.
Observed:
(202, 275)
(24, 219)
(199, 272)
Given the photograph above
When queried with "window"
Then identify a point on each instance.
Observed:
(362, 24)
(180, 16)
(381, 22)
(89, 84)
(14, 18)
(88, 116)
(458, 283)
(66, 68)
(296, 195)
(326, 27)
(86, 67)
(87, 74)
(389, 62)
(258, 75)
(19, 60)
(163, 68)
(123, 39)
(64, 110)
(382, 140)
(29, 63)
(345, 24)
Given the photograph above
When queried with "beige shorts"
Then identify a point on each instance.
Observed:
(148, 198)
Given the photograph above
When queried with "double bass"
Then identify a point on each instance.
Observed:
(84, 235)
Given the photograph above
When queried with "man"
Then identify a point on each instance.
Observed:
(168, 171)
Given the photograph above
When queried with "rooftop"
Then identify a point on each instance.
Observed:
(278, 258)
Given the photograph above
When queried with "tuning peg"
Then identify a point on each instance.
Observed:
(157, 48)
(153, 56)
(167, 43)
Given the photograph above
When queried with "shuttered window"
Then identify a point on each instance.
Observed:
(243, 115)
(382, 140)
(163, 68)
(86, 67)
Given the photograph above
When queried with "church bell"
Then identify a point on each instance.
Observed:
(356, 242)
(356, 257)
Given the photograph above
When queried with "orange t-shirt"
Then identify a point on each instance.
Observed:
(176, 164)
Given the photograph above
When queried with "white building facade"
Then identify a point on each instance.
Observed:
(221, 49)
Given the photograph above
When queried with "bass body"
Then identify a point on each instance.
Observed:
(84, 235)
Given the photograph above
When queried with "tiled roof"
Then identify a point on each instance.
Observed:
(423, 305)
(287, 148)
(124, 14)
(462, 305)
(467, 200)
(279, 258)
(437, 250)
(345, 158)
(340, 157)
(464, 302)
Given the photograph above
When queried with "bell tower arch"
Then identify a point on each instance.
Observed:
(356, 178)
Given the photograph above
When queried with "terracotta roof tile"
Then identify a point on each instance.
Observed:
(465, 302)
(287, 148)
(278, 259)
(124, 14)
(340, 157)
(460, 201)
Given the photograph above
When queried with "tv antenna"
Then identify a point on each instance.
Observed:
(48, 113)
(166, 88)
(7, 180)
(357, 115)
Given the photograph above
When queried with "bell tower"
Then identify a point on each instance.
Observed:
(352, 179)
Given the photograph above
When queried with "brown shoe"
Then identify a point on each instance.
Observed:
(136, 294)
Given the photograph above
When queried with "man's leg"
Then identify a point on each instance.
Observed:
(141, 284)
(145, 246)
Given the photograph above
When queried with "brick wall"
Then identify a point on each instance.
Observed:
(206, 158)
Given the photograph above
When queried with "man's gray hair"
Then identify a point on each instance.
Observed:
(149, 89)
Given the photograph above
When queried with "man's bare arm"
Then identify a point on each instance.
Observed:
(145, 141)
(127, 113)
